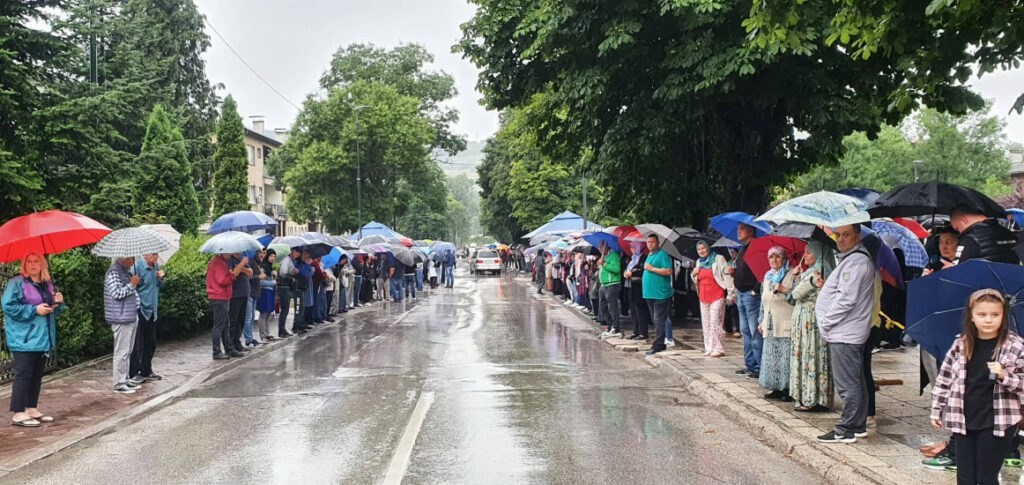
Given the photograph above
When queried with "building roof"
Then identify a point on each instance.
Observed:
(264, 137)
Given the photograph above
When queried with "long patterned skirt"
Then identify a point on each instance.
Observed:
(775, 363)
(810, 381)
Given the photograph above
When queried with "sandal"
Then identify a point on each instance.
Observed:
(26, 423)
(43, 419)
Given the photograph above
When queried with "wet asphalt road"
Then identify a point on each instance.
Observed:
(481, 384)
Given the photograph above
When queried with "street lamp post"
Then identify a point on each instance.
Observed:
(917, 163)
(359, 171)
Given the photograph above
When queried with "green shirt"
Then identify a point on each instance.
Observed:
(656, 286)
(611, 271)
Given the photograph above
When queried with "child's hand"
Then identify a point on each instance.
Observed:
(936, 423)
(997, 369)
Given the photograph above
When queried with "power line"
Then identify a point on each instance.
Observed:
(239, 56)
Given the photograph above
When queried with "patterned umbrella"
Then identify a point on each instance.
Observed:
(897, 236)
(821, 209)
(131, 241)
(229, 243)
(170, 234)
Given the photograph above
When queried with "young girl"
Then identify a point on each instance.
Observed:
(978, 390)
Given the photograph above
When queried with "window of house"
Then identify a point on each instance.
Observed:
(252, 194)
(251, 153)
(259, 153)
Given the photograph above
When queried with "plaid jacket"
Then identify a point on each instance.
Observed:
(948, 393)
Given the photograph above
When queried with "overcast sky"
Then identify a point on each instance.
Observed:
(290, 45)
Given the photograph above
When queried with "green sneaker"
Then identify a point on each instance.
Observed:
(939, 462)
(951, 468)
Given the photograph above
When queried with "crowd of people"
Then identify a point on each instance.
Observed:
(809, 330)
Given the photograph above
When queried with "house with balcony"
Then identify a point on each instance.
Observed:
(1017, 164)
(264, 196)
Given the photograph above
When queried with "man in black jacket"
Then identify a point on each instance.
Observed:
(982, 238)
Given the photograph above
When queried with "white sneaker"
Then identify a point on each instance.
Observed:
(605, 333)
(124, 389)
(670, 343)
(615, 335)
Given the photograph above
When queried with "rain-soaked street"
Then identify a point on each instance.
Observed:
(486, 383)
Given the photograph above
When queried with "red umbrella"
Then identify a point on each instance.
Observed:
(915, 227)
(757, 254)
(406, 242)
(47, 232)
(622, 232)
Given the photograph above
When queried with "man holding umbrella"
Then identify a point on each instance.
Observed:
(748, 303)
(120, 309)
(151, 278)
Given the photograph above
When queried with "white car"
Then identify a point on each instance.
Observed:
(484, 260)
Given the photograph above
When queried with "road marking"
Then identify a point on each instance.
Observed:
(400, 459)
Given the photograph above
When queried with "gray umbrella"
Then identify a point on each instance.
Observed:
(374, 239)
(668, 238)
(404, 255)
(131, 241)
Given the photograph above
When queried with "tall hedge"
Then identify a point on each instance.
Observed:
(231, 178)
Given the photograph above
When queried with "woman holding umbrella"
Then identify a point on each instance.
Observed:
(774, 324)
(810, 378)
(712, 287)
(31, 304)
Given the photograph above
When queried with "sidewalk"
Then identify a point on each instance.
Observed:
(889, 455)
(83, 403)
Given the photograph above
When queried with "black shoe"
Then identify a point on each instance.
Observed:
(284, 335)
(753, 375)
(787, 398)
(236, 354)
(774, 395)
(651, 352)
(832, 437)
(243, 349)
(221, 356)
(741, 372)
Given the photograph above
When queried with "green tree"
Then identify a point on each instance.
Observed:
(403, 68)
(230, 180)
(320, 157)
(683, 116)
(968, 150)
(931, 48)
(165, 176)
(27, 58)
(463, 205)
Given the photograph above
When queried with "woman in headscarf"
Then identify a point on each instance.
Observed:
(774, 324)
(810, 377)
(712, 287)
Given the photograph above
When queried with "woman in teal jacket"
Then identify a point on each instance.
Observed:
(31, 305)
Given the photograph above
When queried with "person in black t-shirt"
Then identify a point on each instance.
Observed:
(748, 303)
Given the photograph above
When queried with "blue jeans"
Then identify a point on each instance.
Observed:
(449, 276)
(659, 313)
(749, 305)
(396, 288)
(247, 329)
(410, 285)
(357, 287)
(320, 303)
(419, 279)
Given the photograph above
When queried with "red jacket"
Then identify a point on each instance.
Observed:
(218, 279)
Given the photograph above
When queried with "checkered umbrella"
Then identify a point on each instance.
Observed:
(131, 241)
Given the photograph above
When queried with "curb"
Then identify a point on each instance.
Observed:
(831, 462)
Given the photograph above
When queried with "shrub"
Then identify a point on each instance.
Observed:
(183, 307)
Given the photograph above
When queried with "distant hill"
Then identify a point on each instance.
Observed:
(466, 161)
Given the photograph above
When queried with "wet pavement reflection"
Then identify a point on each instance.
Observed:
(485, 383)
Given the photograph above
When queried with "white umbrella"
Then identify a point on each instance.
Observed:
(130, 242)
(170, 234)
(230, 242)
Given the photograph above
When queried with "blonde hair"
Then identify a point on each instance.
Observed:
(44, 267)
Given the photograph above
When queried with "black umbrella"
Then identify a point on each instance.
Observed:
(686, 244)
(318, 250)
(928, 198)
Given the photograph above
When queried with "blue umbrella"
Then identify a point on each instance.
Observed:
(442, 246)
(265, 239)
(727, 223)
(374, 228)
(867, 195)
(936, 303)
(332, 258)
(897, 236)
(563, 223)
(1018, 217)
(595, 239)
(242, 221)
(230, 242)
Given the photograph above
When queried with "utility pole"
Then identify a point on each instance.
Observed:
(359, 171)
(917, 163)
